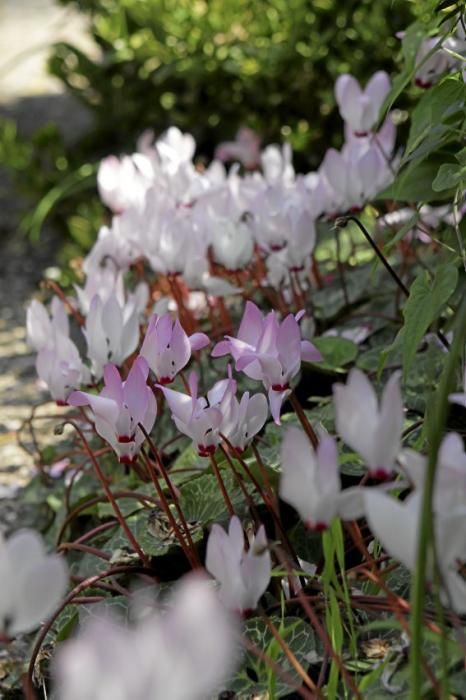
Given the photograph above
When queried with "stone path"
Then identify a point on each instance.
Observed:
(31, 98)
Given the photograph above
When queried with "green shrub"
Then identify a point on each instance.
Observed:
(210, 67)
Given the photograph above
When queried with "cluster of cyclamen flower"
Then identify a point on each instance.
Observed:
(162, 656)
(208, 227)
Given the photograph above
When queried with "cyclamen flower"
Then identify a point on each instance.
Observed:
(354, 175)
(32, 583)
(245, 149)
(251, 416)
(243, 575)
(397, 524)
(189, 651)
(120, 407)
(203, 420)
(122, 183)
(112, 332)
(450, 474)
(269, 351)
(361, 108)
(310, 481)
(167, 348)
(58, 363)
(41, 329)
(61, 369)
(372, 430)
(232, 245)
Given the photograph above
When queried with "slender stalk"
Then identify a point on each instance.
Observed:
(426, 534)
(340, 267)
(304, 420)
(172, 490)
(218, 476)
(342, 221)
(289, 654)
(166, 507)
(111, 498)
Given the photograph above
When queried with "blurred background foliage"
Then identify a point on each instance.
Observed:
(209, 67)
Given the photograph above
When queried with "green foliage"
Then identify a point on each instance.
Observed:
(255, 676)
(212, 67)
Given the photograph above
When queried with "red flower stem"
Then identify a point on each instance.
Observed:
(323, 634)
(188, 551)
(303, 419)
(289, 654)
(240, 482)
(142, 498)
(218, 476)
(269, 500)
(83, 548)
(119, 515)
(60, 293)
(96, 531)
(253, 649)
(173, 493)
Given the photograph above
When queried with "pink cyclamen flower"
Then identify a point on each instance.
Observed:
(361, 108)
(167, 348)
(120, 407)
(245, 149)
(243, 575)
(310, 481)
(371, 429)
(270, 351)
(32, 583)
(203, 420)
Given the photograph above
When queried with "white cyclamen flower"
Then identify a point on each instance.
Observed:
(187, 653)
(243, 575)
(310, 481)
(371, 429)
(32, 583)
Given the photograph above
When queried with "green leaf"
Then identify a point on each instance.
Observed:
(425, 302)
(448, 177)
(336, 351)
(254, 676)
(201, 499)
(439, 105)
(414, 183)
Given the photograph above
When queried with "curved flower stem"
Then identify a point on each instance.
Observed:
(323, 634)
(142, 498)
(289, 654)
(269, 499)
(87, 583)
(304, 420)
(218, 476)
(119, 515)
(172, 490)
(51, 284)
(253, 649)
(342, 221)
(190, 555)
(436, 424)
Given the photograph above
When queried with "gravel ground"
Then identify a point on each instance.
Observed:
(32, 98)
